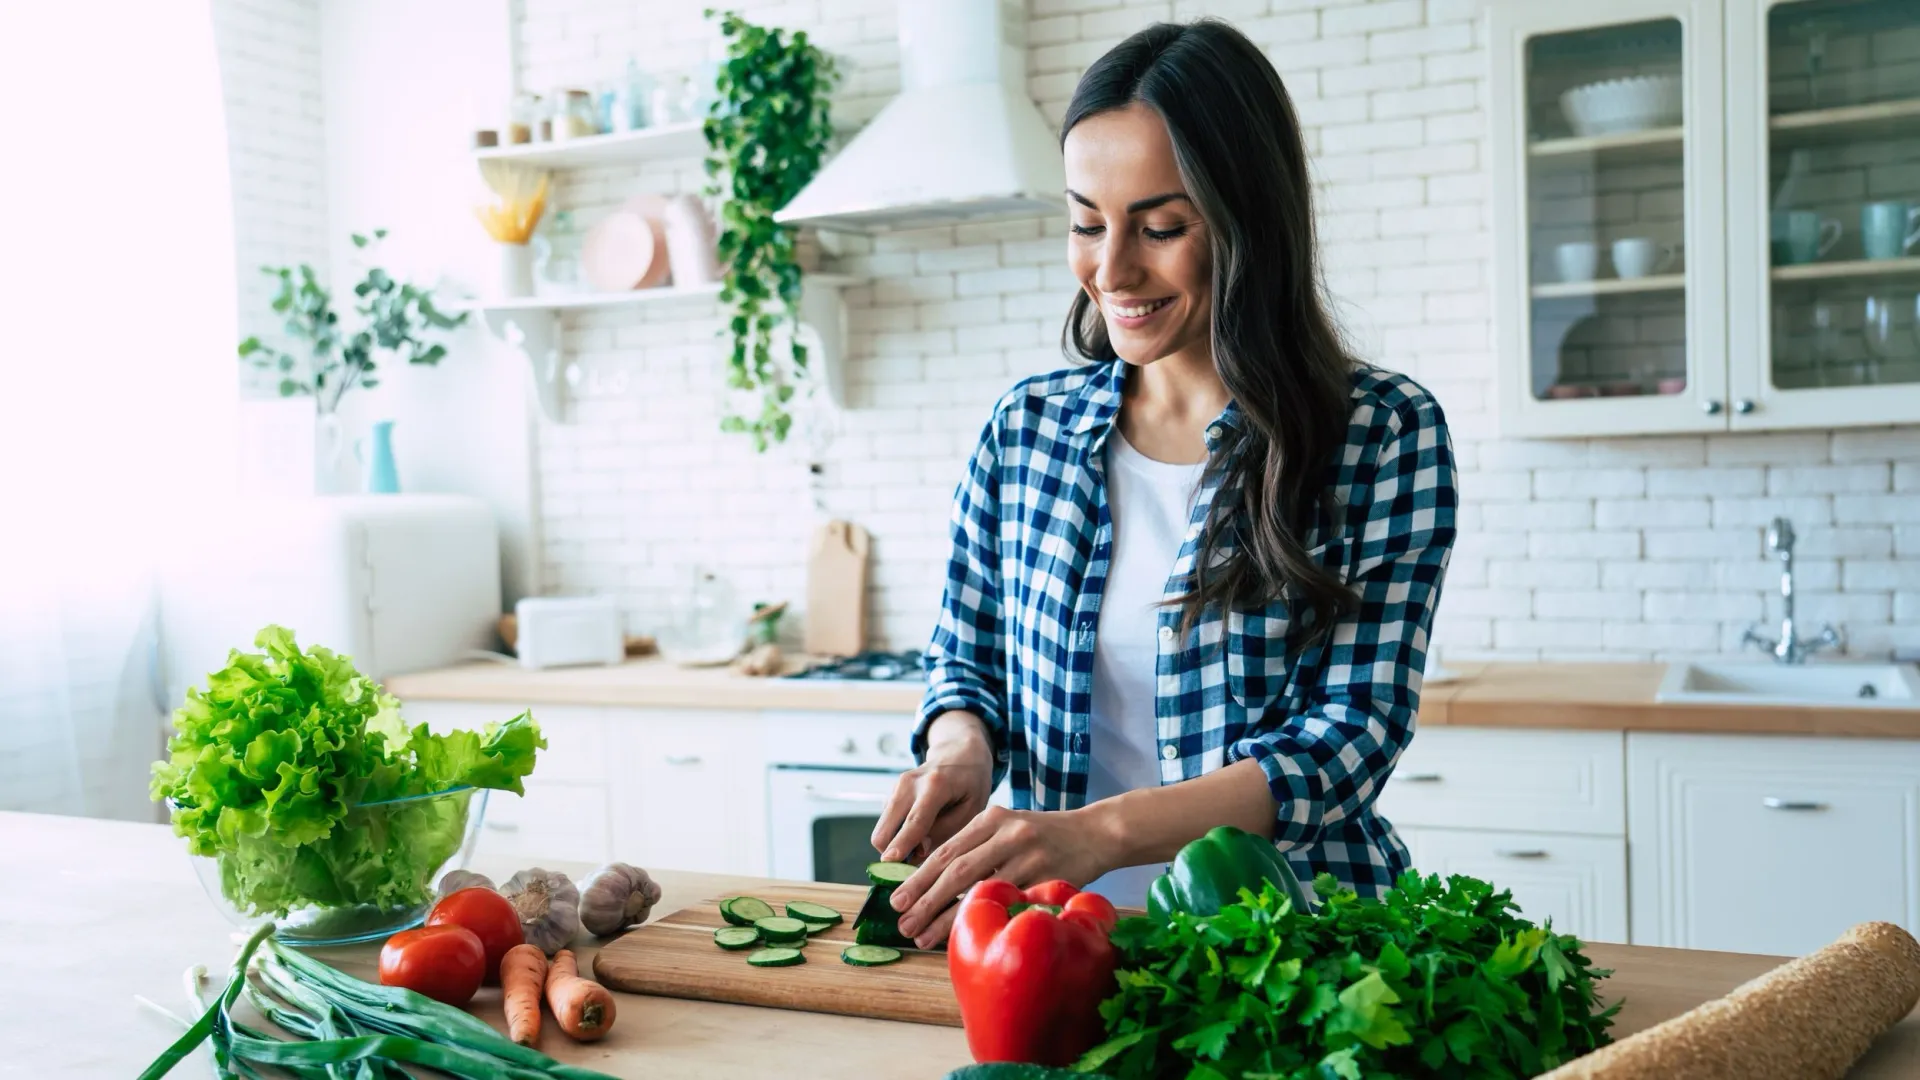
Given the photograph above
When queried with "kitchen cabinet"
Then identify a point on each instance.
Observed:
(692, 790)
(1770, 845)
(1542, 813)
(566, 812)
(1688, 184)
(1579, 882)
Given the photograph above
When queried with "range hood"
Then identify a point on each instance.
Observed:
(962, 141)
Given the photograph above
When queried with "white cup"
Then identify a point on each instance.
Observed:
(1577, 262)
(1638, 256)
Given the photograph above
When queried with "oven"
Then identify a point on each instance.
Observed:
(828, 777)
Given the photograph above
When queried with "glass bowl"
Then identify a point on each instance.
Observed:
(440, 827)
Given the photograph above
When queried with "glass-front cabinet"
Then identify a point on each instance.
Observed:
(1707, 214)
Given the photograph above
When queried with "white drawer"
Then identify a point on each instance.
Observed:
(552, 821)
(1483, 778)
(1579, 882)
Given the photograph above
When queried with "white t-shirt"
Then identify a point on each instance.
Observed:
(1150, 502)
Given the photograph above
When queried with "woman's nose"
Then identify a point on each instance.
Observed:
(1119, 270)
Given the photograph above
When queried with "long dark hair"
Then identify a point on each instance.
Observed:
(1238, 145)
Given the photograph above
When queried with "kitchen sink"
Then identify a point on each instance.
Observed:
(1852, 686)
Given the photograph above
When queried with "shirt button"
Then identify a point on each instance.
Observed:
(1213, 431)
(1166, 633)
(1169, 752)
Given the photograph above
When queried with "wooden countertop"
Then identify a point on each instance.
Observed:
(1598, 696)
(101, 911)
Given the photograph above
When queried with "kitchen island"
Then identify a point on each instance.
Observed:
(97, 912)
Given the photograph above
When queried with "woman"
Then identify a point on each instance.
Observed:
(1219, 452)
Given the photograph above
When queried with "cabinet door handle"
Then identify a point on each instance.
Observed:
(683, 759)
(1775, 802)
(1421, 778)
(864, 798)
(1711, 407)
(502, 826)
(1521, 853)
(1742, 406)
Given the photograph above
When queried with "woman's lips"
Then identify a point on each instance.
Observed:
(1136, 314)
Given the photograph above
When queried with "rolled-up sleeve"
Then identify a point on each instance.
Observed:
(1327, 762)
(967, 655)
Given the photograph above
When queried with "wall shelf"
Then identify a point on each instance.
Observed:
(1651, 143)
(663, 143)
(1851, 268)
(531, 326)
(1610, 286)
(1849, 121)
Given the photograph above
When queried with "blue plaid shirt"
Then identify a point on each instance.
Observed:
(1032, 541)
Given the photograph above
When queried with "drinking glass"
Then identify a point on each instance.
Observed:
(1877, 333)
(1826, 340)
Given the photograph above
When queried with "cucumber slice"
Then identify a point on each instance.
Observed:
(813, 913)
(869, 955)
(779, 930)
(817, 927)
(889, 873)
(777, 958)
(736, 937)
(743, 910)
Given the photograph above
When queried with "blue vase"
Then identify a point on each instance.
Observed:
(382, 477)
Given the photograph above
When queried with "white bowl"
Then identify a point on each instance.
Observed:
(1620, 105)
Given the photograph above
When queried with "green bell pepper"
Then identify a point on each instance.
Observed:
(1209, 873)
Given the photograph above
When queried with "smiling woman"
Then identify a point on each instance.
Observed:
(1192, 578)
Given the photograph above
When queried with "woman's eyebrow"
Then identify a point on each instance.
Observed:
(1136, 205)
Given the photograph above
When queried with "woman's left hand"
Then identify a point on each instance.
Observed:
(1022, 846)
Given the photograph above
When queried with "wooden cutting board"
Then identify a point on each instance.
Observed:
(675, 957)
(836, 615)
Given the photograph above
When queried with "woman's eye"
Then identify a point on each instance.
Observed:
(1088, 230)
(1166, 234)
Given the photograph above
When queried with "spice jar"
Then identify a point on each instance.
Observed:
(574, 116)
(522, 117)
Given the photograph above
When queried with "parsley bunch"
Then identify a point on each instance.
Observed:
(1439, 979)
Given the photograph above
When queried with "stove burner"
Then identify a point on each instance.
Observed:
(869, 667)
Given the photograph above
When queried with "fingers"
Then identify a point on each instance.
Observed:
(942, 926)
(913, 832)
(896, 809)
(951, 870)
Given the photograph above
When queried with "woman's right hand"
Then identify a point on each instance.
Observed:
(932, 802)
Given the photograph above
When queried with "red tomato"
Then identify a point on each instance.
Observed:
(489, 915)
(443, 962)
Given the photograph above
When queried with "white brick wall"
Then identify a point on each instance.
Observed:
(270, 79)
(1624, 548)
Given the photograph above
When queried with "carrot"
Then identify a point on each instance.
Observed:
(523, 973)
(583, 1007)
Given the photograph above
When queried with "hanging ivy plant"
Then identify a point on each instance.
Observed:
(766, 134)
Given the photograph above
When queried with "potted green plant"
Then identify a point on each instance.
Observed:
(767, 132)
(323, 360)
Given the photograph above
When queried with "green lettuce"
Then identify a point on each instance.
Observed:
(271, 767)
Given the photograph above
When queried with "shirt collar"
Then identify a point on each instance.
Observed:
(1099, 404)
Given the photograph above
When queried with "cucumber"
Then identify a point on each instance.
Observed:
(736, 937)
(779, 930)
(816, 927)
(780, 957)
(889, 873)
(743, 910)
(878, 923)
(805, 912)
(869, 955)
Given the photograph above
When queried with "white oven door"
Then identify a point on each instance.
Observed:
(822, 821)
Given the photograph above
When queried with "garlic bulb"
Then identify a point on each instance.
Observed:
(549, 907)
(455, 880)
(616, 897)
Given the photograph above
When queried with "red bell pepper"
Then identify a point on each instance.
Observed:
(1030, 982)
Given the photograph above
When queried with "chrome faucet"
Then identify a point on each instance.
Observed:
(1789, 648)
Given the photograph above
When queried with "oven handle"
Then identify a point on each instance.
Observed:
(863, 797)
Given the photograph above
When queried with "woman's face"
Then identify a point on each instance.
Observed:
(1138, 245)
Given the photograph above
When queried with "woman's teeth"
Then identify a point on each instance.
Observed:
(1140, 310)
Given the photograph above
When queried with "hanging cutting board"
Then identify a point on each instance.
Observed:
(675, 957)
(837, 590)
